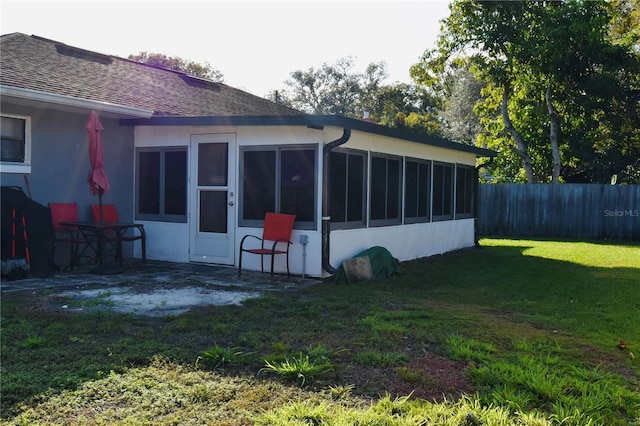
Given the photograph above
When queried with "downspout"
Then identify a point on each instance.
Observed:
(326, 218)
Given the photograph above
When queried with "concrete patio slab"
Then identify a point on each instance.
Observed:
(157, 288)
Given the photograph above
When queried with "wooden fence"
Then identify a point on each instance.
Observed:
(563, 210)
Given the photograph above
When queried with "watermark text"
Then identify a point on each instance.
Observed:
(622, 213)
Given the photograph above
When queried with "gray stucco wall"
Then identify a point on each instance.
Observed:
(60, 160)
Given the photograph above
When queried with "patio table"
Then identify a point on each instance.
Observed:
(100, 231)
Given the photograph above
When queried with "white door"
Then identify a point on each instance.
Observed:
(213, 199)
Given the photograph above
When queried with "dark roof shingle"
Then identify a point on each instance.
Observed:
(31, 62)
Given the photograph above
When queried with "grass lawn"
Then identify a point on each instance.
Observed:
(526, 332)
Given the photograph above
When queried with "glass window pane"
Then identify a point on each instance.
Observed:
(378, 187)
(411, 190)
(149, 182)
(424, 189)
(175, 183)
(393, 189)
(213, 211)
(355, 189)
(12, 143)
(438, 182)
(258, 184)
(12, 150)
(212, 164)
(464, 190)
(471, 186)
(338, 186)
(447, 190)
(297, 183)
(12, 128)
(459, 190)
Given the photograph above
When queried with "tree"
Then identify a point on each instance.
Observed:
(331, 89)
(175, 63)
(546, 65)
(459, 120)
(337, 89)
(406, 106)
(625, 24)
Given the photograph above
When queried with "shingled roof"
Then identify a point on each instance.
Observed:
(36, 63)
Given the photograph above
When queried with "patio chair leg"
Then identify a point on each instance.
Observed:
(272, 259)
(73, 257)
(144, 248)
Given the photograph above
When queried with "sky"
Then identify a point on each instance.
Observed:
(256, 44)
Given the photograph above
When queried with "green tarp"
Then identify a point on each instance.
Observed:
(383, 265)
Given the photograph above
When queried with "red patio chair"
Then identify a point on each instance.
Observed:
(110, 215)
(277, 228)
(63, 234)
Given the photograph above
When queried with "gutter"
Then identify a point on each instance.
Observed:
(326, 218)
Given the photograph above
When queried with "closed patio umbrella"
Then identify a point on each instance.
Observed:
(98, 180)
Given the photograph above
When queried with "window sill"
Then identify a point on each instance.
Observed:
(15, 168)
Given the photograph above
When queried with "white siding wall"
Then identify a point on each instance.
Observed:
(170, 241)
(404, 242)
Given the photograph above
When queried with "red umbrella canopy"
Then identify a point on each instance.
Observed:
(98, 180)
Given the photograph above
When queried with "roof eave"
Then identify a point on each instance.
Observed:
(70, 103)
(317, 121)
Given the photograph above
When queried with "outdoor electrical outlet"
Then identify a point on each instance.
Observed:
(304, 239)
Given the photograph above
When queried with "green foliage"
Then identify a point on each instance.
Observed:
(460, 122)
(219, 356)
(534, 375)
(301, 368)
(341, 391)
(571, 50)
(324, 354)
(332, 89)
(304, 368)
(398, 412)
(338, 89)
(380, 325)
(469, 349)
(32, 342)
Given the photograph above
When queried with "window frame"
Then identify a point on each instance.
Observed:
(277, 149)
(442, 217)
(386, 221)
(429, 190)
(162, 216)
(470, 212)
(350, 224)
(25, 165)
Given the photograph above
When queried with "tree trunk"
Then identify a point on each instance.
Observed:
(521, 146)
(554, 128)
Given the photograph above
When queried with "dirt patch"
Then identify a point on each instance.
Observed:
(433, 378)
(430, 377)
(153, 302)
